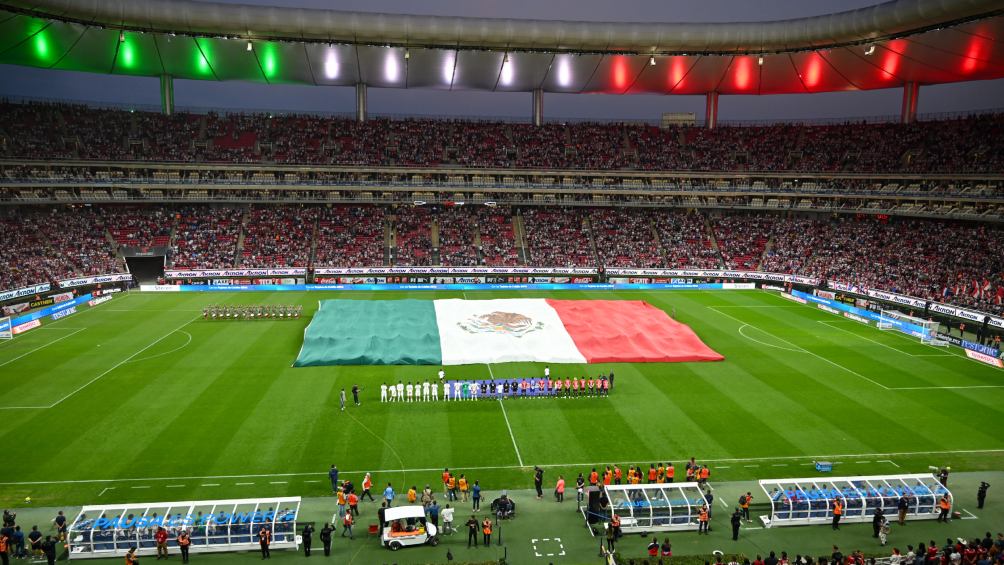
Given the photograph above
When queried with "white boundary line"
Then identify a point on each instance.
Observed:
(166, 352)
(506, 416)
(829, 324)
(75, 332)
(832, 457)
(764, 343)
(120, 363)
(816, 355)
(95, 379)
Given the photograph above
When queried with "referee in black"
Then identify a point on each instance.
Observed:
(538, 481)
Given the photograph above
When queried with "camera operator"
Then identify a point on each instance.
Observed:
(981, 494)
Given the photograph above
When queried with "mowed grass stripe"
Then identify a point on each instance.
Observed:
(229, 403)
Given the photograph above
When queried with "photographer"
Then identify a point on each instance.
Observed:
(981, 494)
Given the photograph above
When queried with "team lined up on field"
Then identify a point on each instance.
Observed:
(251, 311)
(491, 389)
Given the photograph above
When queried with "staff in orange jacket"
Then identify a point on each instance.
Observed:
(486, 529)
(838, 511)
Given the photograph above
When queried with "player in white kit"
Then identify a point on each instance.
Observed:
(410, 391)
(474, 390)
(425, 391)
(435, 391)
(400, 391)
(383, 392)
(456, 390)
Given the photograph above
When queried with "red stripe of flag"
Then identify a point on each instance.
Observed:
(629, 331)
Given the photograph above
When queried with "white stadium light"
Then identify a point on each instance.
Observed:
(449, 61)
(331, 65)
(564, 72)
(121, 36)
(651, 61)
(249, 46)
(759, 61)
(391, 69)
(507, 75)
(407, 54)
(870, 50)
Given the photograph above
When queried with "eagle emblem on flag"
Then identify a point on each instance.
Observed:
(510, 323)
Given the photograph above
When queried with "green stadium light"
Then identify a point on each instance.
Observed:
(202, 54)
(269, 60)
(128, 55)
(41, 46)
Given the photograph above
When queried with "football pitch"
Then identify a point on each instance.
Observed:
(140, 399)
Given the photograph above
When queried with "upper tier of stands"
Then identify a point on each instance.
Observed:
(64, 131)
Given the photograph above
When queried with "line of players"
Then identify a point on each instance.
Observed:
(251, 311)
(427, 391)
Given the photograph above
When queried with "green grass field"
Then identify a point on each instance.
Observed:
(140, 399)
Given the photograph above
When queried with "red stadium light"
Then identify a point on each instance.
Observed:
(743, 76)
(814, 72)
(620, 72)
(677, 72)
(975, 52)
(891, 59)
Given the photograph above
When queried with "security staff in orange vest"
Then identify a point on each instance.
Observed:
(594, 477)
(838, 511)
(946, 506)
(264, 540)
(744, 505)
(670, 472)
(652, 473)
(702, 520)
(486, 529)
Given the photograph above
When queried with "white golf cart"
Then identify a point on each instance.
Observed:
(404, 526)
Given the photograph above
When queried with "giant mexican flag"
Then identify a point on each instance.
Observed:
(459, 332)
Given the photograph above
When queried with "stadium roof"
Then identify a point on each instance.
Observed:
(886, 45)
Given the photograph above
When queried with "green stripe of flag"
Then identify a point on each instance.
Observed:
(372, 332)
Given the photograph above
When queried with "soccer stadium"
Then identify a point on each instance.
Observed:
(333, 298)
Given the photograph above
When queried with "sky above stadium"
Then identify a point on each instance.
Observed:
(27, 82)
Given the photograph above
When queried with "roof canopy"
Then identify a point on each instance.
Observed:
(923, 41)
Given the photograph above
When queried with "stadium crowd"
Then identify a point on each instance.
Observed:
(67, 131)
(951, 262)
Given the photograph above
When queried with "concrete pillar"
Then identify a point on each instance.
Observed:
(166, 95)
(538, 107)
(360, 102)
(711, 110)
(911, 93)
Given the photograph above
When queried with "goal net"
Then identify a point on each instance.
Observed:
(6, 332)
(925, 330)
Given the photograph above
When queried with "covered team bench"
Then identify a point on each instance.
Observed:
(798, 502)
(655, 507)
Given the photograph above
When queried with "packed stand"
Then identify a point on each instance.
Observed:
(64, 131)
(206, 237)
(624, 238)
(278, 237)
(49, 244)
(413, 227)
(743, 238)
(135, 226)
(936, 260)
(350, 236)
(498, 239)
(685, 240)
(457, 227)
(558, 237)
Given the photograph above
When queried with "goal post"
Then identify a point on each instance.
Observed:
(6, 331)
(925, 330)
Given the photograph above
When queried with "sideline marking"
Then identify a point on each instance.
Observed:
(803, 350)
(510, 467)
(971, 515)
(506, 416)
(75, 332)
